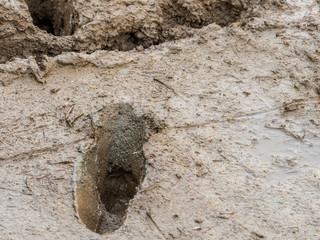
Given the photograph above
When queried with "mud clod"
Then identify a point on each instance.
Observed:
(110, 172)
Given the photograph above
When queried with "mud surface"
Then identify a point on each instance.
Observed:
(232, 104)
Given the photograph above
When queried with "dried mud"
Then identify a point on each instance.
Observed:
(207, 121)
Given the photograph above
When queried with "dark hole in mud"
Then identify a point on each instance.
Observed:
(109, 174)
(54, 16)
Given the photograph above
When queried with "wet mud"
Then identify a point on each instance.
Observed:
(206, 125)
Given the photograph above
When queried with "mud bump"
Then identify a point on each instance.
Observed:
(54, 16)
(108, 176)
(195, 15)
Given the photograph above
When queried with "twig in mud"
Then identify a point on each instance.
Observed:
(254, 141)
(222, 217)
(42, 176)
(228, 213)
(202, 174)
(149, 188)
(71, 123)
(4, 143)
(314, 122)
(221, 155)
(164, 84)
(155, 224)
(257, 235)
(218, 160)
(77, 117)
(285, 130)
(298, 137)
(67, 120)
(272, 127)
(27, 184)
(27, 190)
(70, 111)
(90, 116)
(30, 153)
(63, 162)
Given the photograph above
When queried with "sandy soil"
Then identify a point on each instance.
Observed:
(236, 150)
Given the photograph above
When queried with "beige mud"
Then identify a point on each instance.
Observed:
(230, 115)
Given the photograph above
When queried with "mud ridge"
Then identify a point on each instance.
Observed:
(52, 27)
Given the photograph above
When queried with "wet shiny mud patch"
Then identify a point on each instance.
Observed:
(108, 175)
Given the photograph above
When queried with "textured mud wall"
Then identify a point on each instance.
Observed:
(19, 37)
(51, 27)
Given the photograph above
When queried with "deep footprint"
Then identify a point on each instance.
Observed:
(108, 176)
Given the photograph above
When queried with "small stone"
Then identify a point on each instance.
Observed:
(198, 163)
(198, 220)
(54, 90)
(151, 162)
(140, 48)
